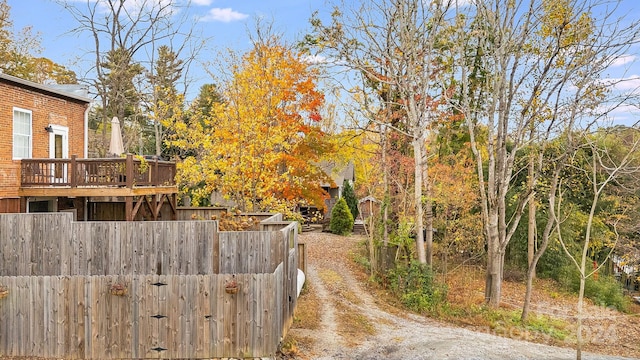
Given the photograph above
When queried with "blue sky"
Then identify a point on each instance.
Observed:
(226, 22)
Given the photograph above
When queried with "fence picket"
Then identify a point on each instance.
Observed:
(60, 303)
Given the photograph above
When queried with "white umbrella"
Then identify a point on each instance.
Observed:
(115, 146)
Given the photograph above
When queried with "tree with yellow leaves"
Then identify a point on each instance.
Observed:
(260, 146)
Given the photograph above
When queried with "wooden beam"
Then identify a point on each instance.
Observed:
(95, 191)
(173, 202)
(137, 207)
(158, 205)
(150, 206)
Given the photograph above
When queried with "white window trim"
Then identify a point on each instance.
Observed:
(30, 132)
(59, 130)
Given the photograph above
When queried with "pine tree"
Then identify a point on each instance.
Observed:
(341, 218)
(350, 197)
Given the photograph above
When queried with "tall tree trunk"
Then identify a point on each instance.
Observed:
(385, 182)
(580, 302)
(531, 270)
(527, 296)
(428, 214)
(531, 236)
(531, 231)
(157, 127)
(417, 156)
(546, 234)
(495, 258)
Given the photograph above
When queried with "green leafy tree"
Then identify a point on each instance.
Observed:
(341, 218)
(350, 197)
(166, 101)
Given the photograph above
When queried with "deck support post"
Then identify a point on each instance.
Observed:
(129, 208)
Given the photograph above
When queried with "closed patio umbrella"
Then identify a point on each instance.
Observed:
(116, 148)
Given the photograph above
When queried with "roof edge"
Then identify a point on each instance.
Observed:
(44, 88)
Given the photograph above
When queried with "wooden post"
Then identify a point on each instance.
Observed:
(129, 207)
(23, 204)
(156, 174)
(129, 171)
(302, 257)
(74, 171)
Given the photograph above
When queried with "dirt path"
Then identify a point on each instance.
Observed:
(353, 325)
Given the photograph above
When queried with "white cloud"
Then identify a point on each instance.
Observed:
(202, 2)
(223, 15)
(631, 82)
(622, 60)
(619, 114)
(314, 59)
(462, 3)
(619, 109)
(135, 6)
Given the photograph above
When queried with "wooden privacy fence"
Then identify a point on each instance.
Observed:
(123, 290)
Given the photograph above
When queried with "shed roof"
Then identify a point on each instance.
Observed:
(338, 175)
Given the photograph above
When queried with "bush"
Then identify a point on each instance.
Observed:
(350, 197)
(604, 291)
(417, 288)
(341, 218)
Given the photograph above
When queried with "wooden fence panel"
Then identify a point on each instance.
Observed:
(252, 251)
(175, 307)
(51, 244)
(190, 317)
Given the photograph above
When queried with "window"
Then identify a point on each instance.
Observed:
(21, 134)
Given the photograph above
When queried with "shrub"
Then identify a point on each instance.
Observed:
(417, 288)
(605, 290)
(341, 218)
(350, 197)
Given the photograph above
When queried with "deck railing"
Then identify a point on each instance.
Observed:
(112, 172)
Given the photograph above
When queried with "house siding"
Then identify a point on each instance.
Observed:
(46, 108)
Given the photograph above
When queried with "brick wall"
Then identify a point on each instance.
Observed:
(45, 109)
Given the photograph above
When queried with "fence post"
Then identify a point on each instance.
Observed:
(129, 171)
(156, 174)
(74, 171)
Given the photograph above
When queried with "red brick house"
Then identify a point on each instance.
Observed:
(44, 165)
(37, 121)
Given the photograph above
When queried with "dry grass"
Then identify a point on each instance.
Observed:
(351, 323)
(307, 315)
(553, 315)
(552, 320)
(336, 284)
(553, 311)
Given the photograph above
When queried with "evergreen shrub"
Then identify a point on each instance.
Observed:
(341, 219)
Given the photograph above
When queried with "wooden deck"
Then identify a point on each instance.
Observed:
(96, 177)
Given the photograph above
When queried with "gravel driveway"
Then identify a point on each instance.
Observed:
(395, 335)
